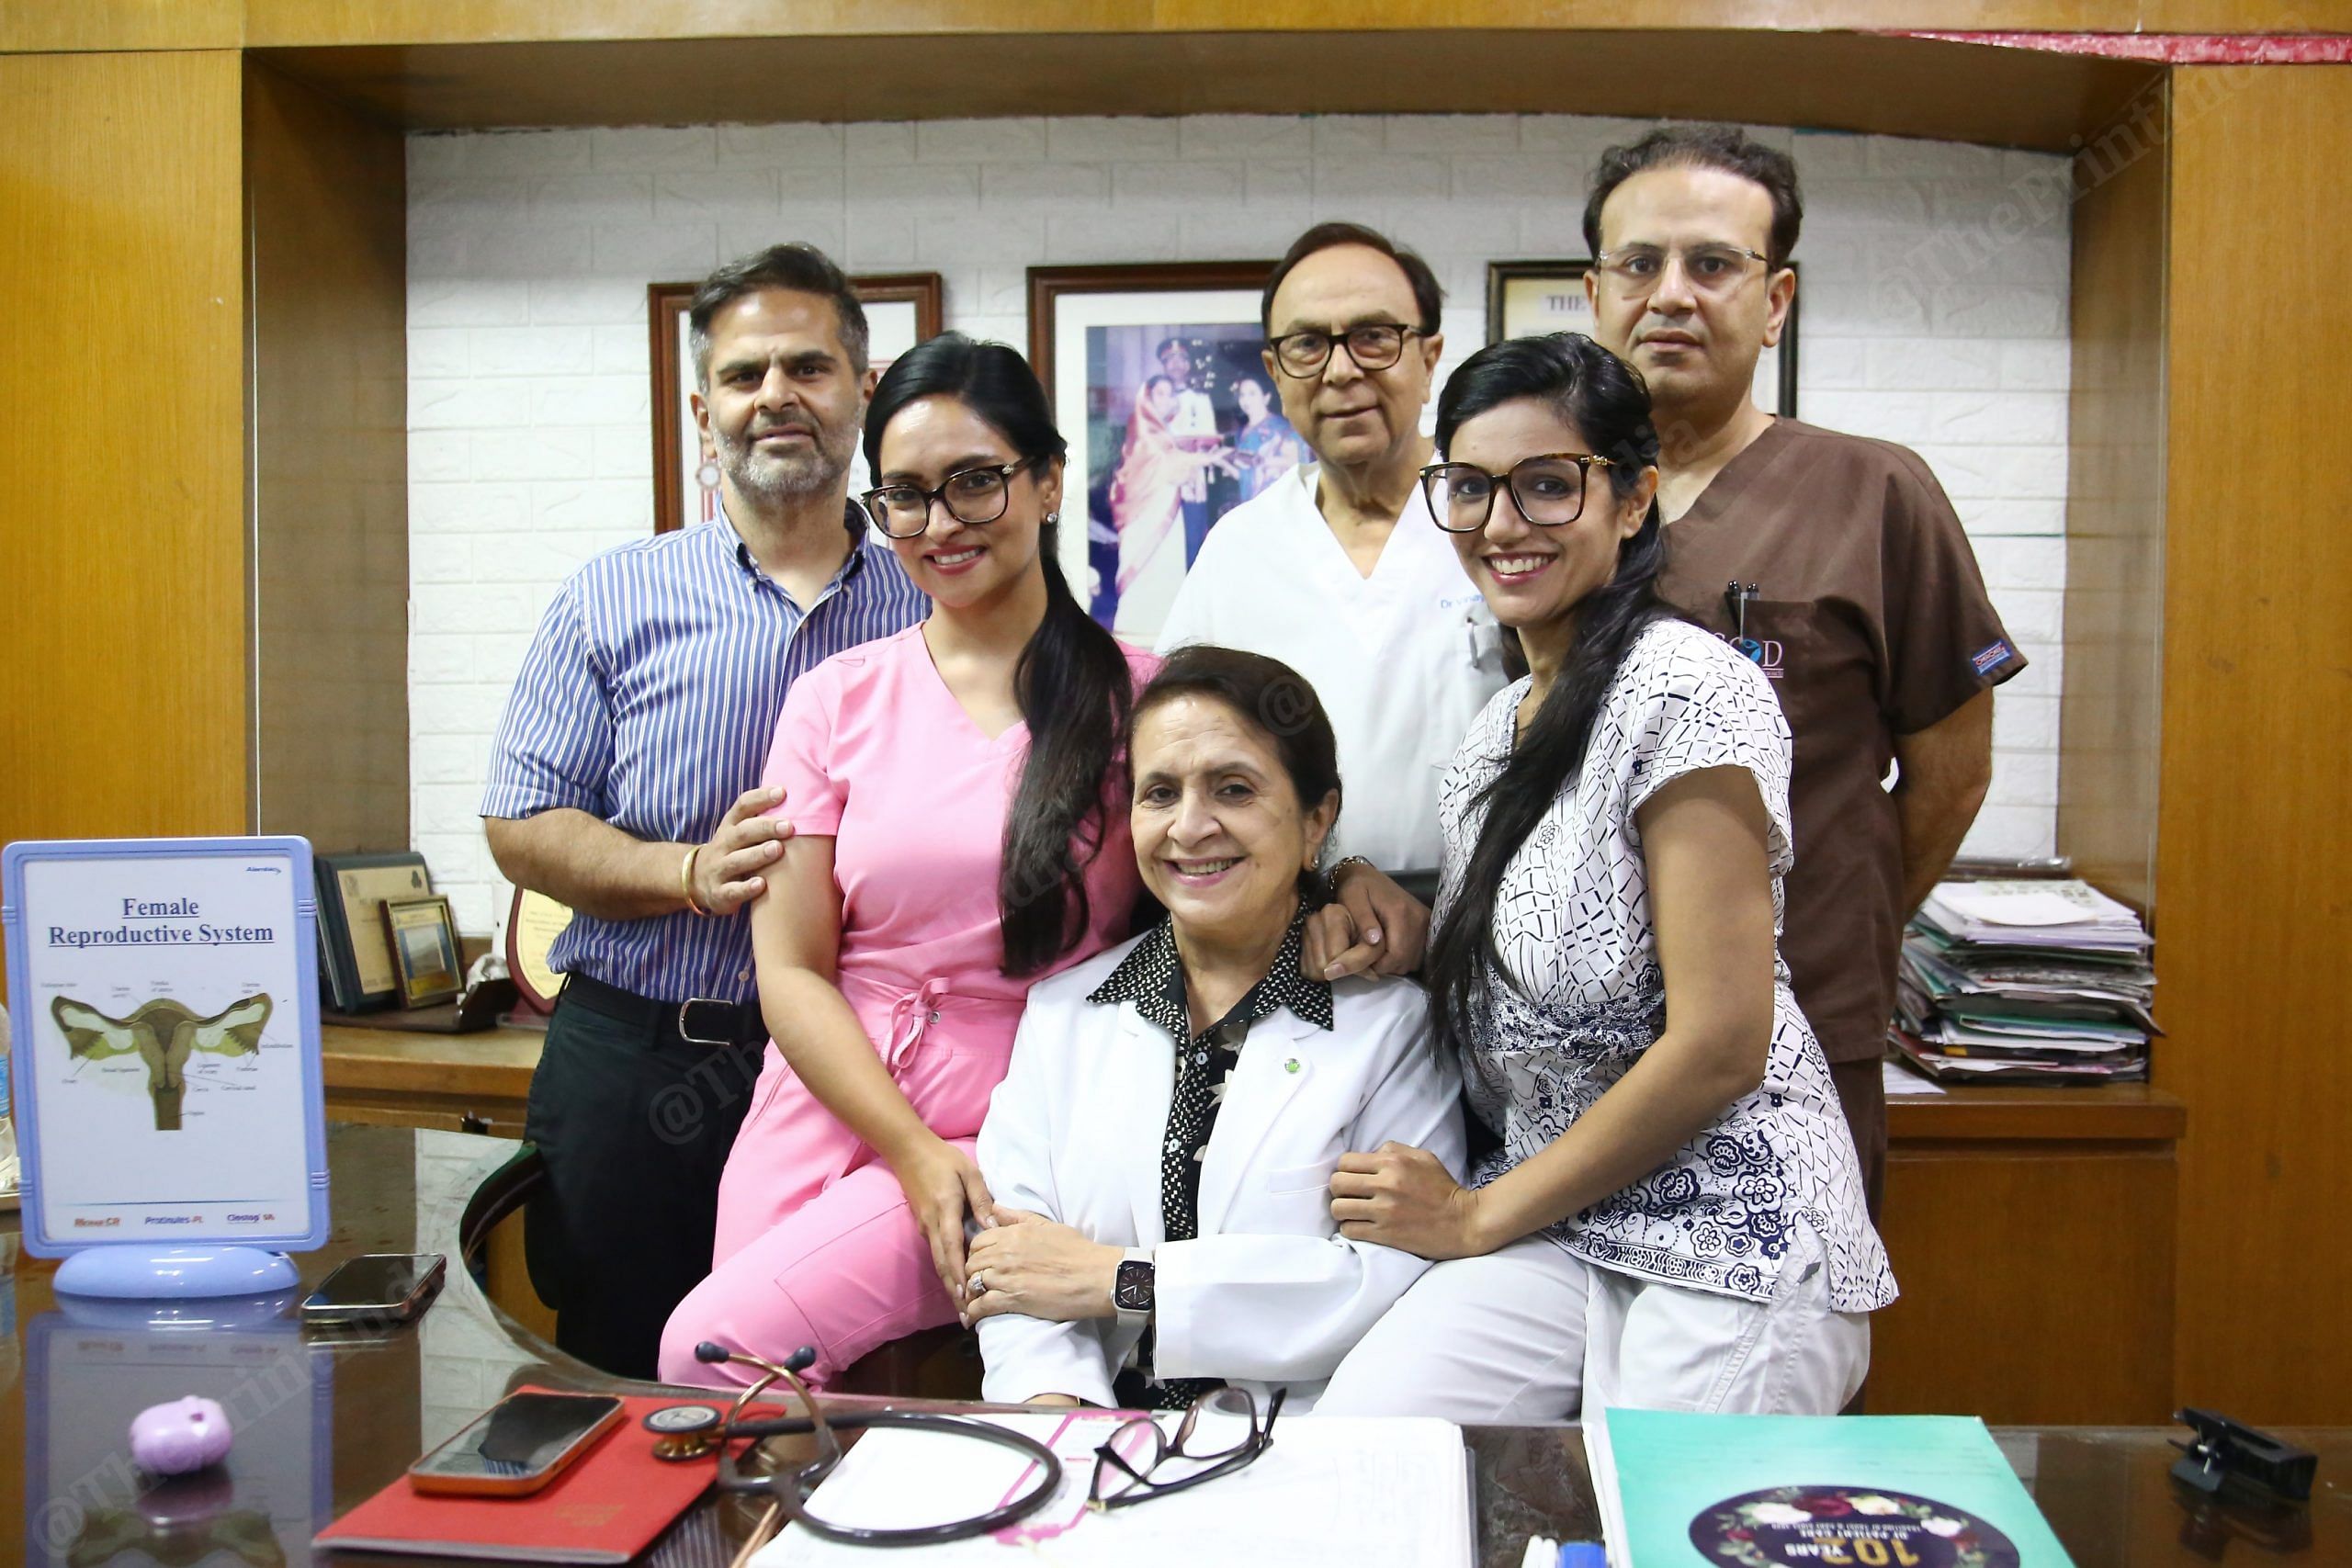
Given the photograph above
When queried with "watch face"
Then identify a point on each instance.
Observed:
(1133, 1292)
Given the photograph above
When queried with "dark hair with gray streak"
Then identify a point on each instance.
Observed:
(1270, 697)
(1724, 146)
(796, 267)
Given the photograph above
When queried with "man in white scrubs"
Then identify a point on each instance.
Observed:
(1338, 570)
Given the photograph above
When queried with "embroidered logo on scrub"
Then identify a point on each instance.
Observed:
(1991, 656)
(1766, 653)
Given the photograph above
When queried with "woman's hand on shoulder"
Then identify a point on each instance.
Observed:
(1039, 1268)
(1371, 925)
(1403, 1197)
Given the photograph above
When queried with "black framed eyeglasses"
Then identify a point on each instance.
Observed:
(1376, 346)
(973, 496)
(1548, 489)
(1206, 1436)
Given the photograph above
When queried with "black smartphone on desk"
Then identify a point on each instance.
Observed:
(518, 1445)
(379, 1288)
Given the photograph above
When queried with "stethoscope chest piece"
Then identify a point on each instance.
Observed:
(683, 1432)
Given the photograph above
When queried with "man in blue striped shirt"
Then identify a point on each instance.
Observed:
(624, 783)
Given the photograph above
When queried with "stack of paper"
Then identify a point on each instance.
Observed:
(1681, 1490)
(1347, 1492)
(2025, 981)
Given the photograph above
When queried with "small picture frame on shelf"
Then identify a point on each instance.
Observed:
(1528, 297)
(422, 937)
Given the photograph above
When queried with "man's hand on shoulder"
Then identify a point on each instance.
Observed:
(727, 870)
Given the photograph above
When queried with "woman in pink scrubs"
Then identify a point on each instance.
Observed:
(959, 832)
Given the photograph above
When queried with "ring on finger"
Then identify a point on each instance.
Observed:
(978, 1283)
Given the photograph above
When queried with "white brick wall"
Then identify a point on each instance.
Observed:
(1935, 314)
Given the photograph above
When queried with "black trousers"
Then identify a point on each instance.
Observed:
(634, 1124)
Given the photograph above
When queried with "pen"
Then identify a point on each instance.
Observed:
(1736, 597)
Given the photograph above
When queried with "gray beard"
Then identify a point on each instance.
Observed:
(784, 478)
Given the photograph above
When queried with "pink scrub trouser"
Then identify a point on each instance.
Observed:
(815, 1244)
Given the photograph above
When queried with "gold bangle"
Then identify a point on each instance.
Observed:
(686, 880)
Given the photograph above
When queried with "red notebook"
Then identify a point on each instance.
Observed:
(607, 1507)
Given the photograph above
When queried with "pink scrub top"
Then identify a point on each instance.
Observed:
(874, 751)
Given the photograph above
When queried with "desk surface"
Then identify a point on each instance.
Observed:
(329, 1421)
(496, 1065)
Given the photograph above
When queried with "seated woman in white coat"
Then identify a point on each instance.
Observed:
(1162, 1151)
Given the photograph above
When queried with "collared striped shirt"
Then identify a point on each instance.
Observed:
(649, 698)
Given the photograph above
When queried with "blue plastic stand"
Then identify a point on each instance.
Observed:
(172, 1273)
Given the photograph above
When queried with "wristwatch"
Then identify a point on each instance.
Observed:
(1132, 1292)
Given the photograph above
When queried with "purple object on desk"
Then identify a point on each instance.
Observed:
(184, 1435)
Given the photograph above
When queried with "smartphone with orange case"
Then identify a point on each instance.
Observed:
(518, 1445)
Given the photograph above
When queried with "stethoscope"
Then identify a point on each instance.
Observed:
(688, 1432)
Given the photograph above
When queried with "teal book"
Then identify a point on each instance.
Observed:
(1679, 1491)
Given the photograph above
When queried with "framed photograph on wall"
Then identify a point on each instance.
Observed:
(1159, 382)
(1525, 298)
(901, 310)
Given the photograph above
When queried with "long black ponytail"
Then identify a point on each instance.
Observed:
(1073, 681)
(1605, 398)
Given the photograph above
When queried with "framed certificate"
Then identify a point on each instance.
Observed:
(163, 994)
(1528, 297)
(355, 955)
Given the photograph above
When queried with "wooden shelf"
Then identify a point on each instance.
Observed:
(2125, 1113)
(496, 1067)
(496, 1064)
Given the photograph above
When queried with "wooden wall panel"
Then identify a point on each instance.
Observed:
(2255, 858)
(2109, 766)
(275, 22)
(1898, 86)
(40, 25)
(122, 547)
(1998, 1248)
(326, 192)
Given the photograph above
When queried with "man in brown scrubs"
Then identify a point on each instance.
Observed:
(1834, 561)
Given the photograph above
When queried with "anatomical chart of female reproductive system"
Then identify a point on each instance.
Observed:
(160, 993)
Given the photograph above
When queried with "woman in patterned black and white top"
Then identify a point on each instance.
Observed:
(1675, 1217)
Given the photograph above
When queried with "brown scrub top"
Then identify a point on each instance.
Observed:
(1870, 620)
